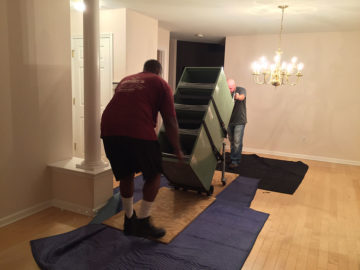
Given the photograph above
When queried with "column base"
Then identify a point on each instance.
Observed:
(92, 166)
(80, 190)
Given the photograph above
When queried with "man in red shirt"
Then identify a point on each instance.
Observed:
(130, 141)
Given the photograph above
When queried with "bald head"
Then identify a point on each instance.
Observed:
(231, 84)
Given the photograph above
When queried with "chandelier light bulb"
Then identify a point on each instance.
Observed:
(277, 58)
(293, 60)
(300, 66)
(255, 67)
(289, 68)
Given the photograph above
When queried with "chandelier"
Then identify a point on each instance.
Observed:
(277, 73)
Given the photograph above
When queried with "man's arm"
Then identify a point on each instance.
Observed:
(240, 94)
(239, 97)
(172, 133)
(168, 114)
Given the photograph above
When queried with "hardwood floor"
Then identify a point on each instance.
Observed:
(318, 227)
(15, 252)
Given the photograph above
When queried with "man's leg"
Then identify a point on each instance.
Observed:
(231, 140)
(241, 140)
(118, 151)
(127, 194)
(238, 142)
(127, 198)
(151, 188)
(145, 227)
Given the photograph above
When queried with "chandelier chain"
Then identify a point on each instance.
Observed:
(281, 25)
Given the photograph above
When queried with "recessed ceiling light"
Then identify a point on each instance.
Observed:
(199, 35)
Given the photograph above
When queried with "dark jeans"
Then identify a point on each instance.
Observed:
(236, 134)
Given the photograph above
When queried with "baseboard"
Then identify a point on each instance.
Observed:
(300, 156)
(24, 213)
(42, 206)
(77, 208)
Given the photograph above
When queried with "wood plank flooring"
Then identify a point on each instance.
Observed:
(318, 227)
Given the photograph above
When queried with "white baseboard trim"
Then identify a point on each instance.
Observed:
(75, 208)
(24, 213)
(54, 203)
(300, 156)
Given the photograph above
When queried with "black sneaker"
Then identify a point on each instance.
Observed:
(130, 224)
(146, 229)
(233, 165)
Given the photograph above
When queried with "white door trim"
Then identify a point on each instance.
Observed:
(74, 93)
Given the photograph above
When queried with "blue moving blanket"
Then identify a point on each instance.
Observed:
(220, 238)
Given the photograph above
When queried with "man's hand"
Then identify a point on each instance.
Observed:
(180, 155)
(172, 132)
(239, 97)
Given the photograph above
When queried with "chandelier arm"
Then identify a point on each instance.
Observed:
(266, 78)
(296, 81)
(256, 79)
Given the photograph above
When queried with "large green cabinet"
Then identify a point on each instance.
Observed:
(203, 105)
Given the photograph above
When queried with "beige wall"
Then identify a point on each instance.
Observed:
(164, 45)
(141, 40)
(172, 63)
(6, 142)
(114, 21)
(135, 38)
(76, 22)
(319, 117)
(111, 21)
(35, 99)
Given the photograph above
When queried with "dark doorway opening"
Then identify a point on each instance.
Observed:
(196, 54)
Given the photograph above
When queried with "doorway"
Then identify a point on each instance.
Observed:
(77, 74)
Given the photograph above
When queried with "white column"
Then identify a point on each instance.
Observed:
(92, 139)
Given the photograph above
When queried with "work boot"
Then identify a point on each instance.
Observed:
(130, 224)
(145, 228)
(233, 165)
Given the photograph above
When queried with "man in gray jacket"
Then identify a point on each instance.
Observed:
(237, 123)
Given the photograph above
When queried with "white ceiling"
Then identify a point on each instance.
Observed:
(219, 18)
